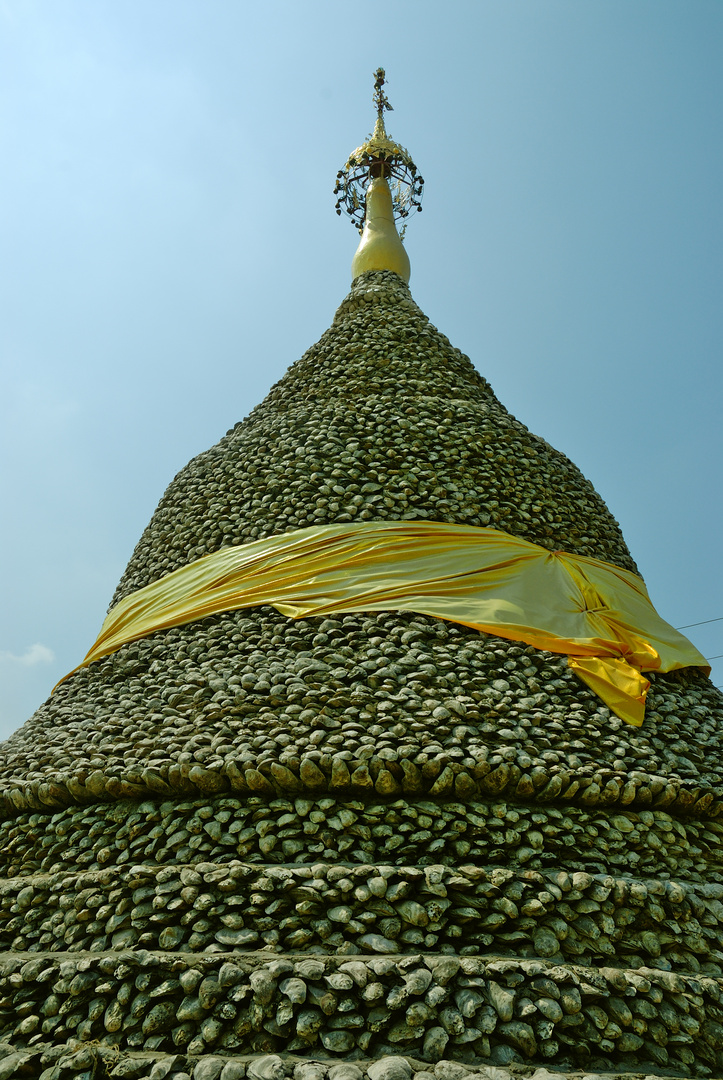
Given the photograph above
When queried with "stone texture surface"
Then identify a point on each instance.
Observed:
(383, 845)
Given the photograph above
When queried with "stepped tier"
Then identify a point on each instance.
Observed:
(379, 839)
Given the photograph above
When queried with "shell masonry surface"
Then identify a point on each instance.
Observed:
(366, 845)
(599, 615)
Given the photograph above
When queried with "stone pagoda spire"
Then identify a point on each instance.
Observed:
(370, 842)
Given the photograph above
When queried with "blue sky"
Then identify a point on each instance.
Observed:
(170, 248)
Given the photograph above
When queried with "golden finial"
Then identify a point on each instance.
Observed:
(380, 100)
(379, 156)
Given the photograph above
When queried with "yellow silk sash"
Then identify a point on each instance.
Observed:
(596, 613)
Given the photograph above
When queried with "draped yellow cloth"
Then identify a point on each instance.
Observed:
(596, 613)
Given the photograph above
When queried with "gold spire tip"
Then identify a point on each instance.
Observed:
(380, 98)
(379, 158)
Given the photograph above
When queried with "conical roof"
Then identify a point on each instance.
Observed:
(366, 836)
(383, 399)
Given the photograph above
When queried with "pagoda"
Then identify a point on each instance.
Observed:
(343, 789)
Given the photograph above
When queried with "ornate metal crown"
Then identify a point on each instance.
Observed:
(379, 156)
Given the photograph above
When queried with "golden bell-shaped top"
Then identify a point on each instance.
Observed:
(379, 186)
(380, 247)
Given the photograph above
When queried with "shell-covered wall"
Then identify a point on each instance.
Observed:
(368, 837)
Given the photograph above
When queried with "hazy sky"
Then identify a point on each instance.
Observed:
(169, 247)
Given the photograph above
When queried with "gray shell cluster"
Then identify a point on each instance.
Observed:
(253, 846)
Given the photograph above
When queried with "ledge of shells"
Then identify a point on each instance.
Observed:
(358, 910)
(305, 830)
(256, 703)
(76, 1061)
(430, 1007)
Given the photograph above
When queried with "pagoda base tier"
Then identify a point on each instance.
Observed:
(562, 884)
(365, 910)
(207, 934)
(82, 1061)
(81, 1014)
